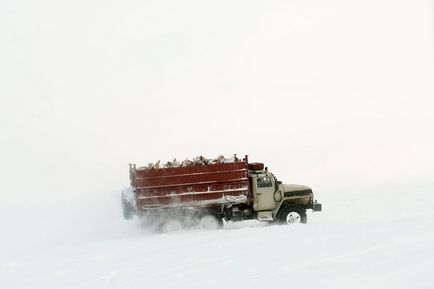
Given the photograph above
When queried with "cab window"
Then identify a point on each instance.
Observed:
(264, 182)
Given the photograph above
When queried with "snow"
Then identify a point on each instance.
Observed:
(337, 95)
(357, 242)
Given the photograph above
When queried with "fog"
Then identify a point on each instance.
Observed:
(337, 95)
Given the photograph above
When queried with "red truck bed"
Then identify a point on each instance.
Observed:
(199, 185)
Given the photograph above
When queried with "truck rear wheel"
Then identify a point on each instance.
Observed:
(291, 214)
(128, 206)
(171, 225)
(210, 222)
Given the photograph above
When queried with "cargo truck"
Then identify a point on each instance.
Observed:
(205, 194)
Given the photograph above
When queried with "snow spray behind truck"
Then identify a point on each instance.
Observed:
(203, 192)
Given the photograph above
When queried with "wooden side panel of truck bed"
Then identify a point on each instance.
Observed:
(200, 185)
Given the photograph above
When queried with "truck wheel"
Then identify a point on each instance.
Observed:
(171, 226)
(128, 206)
(210, 222)
(291, 214)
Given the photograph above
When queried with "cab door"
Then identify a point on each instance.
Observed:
(264, 193)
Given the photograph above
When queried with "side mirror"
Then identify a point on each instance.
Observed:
(279, 182)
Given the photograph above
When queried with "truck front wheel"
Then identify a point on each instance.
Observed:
(291, 214)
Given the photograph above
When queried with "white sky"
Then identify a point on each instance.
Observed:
(334, 94)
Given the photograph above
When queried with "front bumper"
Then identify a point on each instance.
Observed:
(316, 207)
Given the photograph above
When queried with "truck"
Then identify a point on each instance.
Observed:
(203, 193)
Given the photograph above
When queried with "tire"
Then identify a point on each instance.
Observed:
(128, 207)
(171, 226)
(291, 214)
(210, 222)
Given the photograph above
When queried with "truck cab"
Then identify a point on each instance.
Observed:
(274, 201)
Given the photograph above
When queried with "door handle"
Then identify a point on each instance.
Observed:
(258, 194)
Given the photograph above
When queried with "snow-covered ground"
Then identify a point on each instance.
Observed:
(360, 240)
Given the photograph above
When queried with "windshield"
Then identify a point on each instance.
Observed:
(264, 182)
